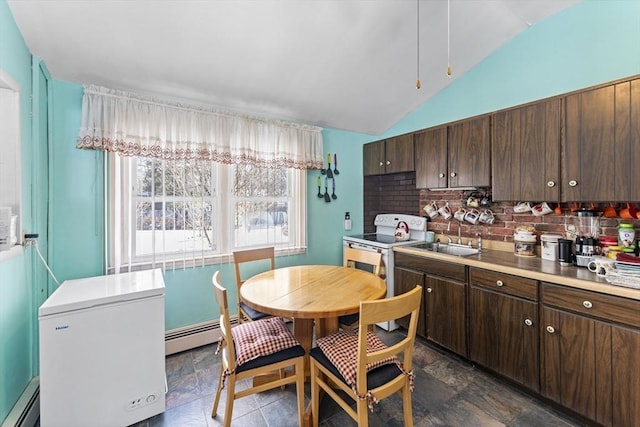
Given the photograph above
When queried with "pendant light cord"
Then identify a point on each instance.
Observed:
(448, 38)
(418, 85)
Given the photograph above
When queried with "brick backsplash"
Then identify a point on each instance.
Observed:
(396, 193)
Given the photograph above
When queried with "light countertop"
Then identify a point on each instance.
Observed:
(532, 267)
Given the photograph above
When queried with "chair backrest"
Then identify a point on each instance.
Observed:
(228, 350)
(372, 312)
(352, 255)
(250, 255)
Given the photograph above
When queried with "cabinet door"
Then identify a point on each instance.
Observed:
(576, 363)
(431, 158)
(503, 335)
(399, 154)
(625, 365)
(469, 153)
(525, 152)
(404, 281)
(446, 310)
(373, 157)
(590, 148)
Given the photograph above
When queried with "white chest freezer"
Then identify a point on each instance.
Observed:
(102, 357)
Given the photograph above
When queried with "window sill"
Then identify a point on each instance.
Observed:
(11, 253)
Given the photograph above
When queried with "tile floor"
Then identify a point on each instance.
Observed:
(448, 392)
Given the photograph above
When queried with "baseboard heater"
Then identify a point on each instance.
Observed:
(26, 411)
(192, 336)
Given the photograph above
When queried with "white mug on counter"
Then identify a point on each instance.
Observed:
(601, 265)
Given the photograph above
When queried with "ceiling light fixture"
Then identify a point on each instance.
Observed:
(418, 85)
(449, 38)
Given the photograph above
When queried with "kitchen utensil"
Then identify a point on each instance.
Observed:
(459, 214)
(473, 201)
(558, 209)
(610, 211)
(431, 209)
(472, 216)
(487, 217)
(333, 184)
(445, 211)
(335, 164)
(327, 198)
(329, 172)
(541, 209)
(522, 207)
(402, 231)
(319, 184)
(564, 251)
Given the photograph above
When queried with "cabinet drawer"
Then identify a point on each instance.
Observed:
(432, 267)
(505, 283)
(607, 307)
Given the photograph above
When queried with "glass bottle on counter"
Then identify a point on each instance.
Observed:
(626, 237)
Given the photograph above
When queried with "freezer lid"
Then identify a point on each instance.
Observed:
(89, 292)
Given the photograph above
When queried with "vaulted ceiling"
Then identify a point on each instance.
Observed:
(345, 64)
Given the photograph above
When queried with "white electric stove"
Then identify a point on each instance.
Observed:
(383, 241)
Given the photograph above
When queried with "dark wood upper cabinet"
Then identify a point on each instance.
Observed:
(454, 156)
(431, 158)
(525, 152)
(391, 155)
(469, 151)
(602, 144)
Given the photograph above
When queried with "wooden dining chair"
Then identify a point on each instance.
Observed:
(252, 349)
(341, 359)
(351, 258)
(251, 256)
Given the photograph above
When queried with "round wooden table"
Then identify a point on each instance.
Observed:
(309, 293)
(312, 292)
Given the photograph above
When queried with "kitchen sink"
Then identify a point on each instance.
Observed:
(449, 248)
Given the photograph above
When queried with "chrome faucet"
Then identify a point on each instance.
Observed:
(479, 241)
(459, 230)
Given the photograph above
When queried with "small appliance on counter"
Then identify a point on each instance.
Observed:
(587, 223)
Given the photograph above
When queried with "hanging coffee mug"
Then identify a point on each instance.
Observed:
(459, 214)
(432, 210)
(445, 211)
(472, 216)
(487, 217)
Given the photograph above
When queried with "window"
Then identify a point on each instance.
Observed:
(194, 212)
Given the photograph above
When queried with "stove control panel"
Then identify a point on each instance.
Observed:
(415, 222)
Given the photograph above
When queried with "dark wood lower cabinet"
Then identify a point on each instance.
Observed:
(405, 280)
(446, 309)
(589, 365)
(444, 300)
(578, 348)
(503, 335)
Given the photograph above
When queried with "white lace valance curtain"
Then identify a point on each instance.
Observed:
(132, 125)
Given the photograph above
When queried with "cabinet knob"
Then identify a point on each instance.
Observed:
(587, 304)
(499, 283)
(381, 164)
(429, 290)
(388, 162)
(550, 329)
(528, 322)
(573, 183)
(453, 174)
(551, 184)
(440, 175)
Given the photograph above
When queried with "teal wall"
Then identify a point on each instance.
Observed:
(593, 42)
(17, 321)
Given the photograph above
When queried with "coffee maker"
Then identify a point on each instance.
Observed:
(587, 224)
